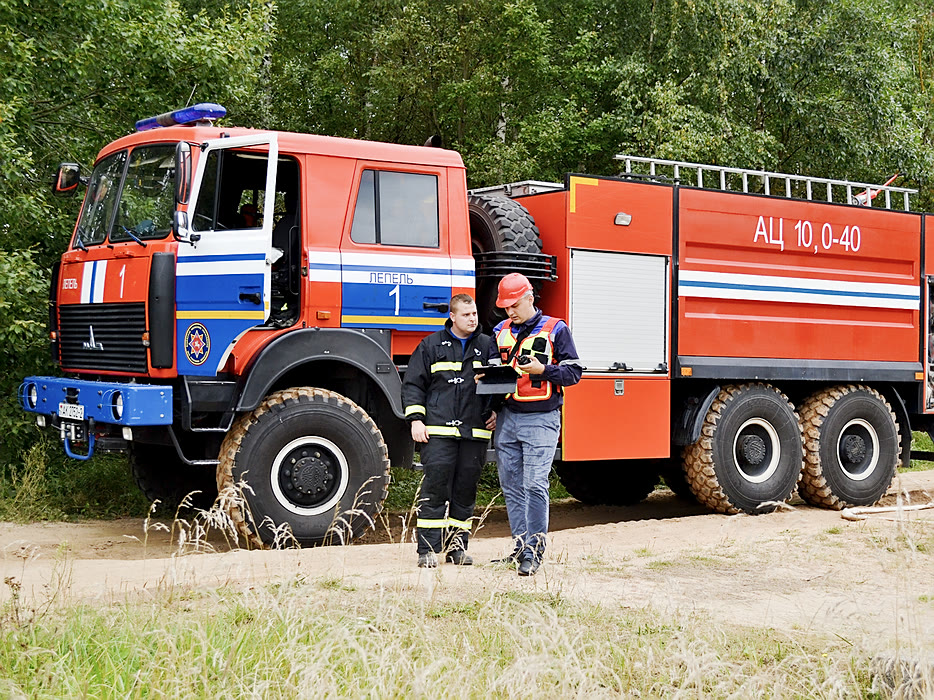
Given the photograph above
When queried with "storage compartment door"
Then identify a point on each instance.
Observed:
(619, 317)
(619, 311)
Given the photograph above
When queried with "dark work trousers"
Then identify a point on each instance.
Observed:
(449, 492)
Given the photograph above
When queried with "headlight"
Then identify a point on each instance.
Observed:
(32, 395)
(116, 405)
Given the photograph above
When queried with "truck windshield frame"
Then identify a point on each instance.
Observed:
(131, 194)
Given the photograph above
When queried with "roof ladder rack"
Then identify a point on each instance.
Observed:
(795, 186)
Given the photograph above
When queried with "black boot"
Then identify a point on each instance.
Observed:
(459, 557)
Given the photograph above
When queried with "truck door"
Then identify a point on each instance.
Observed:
(396, 269)
(223, 277)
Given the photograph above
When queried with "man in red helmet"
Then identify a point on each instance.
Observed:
(528, 424)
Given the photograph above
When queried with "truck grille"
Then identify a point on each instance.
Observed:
(117, 343)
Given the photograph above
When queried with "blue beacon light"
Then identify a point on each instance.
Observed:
(188, 115)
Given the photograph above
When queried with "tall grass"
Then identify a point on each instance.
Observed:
(45, 485)
(328, 637)
(311, 639)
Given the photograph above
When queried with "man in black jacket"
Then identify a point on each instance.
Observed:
(448, 420)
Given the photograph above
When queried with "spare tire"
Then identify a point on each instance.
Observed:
(499, 224)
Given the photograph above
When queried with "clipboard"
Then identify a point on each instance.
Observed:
(497, 379)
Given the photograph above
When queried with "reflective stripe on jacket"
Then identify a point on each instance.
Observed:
(439, 387)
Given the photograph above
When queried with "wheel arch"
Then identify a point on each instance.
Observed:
(295, 352)
(890, 392)
(348, 362)
(689, 414)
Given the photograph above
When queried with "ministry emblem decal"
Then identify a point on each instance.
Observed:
(197, 344)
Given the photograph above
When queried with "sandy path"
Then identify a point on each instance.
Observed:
(800, 569)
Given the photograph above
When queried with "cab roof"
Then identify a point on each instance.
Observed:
(296, 143)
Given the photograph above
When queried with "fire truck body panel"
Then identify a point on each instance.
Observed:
(767, 277)
(633, 409)
(754, 300)
(613, 241)
(106, 294)
(619, 215)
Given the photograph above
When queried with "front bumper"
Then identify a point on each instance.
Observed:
(101, 402)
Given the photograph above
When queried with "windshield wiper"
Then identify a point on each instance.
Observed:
(79, 239)
(132, 234)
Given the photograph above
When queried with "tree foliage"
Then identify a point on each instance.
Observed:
(76, 75)
(529, 89)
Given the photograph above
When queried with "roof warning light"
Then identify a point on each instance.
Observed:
(203, 111)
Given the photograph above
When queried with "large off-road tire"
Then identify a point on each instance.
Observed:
(307, 466)
(498, 224)
(162, 476)
(851, 441)
(609, 482)
(750, 451)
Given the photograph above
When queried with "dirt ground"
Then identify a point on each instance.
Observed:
(799, 569)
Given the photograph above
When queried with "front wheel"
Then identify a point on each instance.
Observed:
(307, 466)
(852, 443)
(750, 452)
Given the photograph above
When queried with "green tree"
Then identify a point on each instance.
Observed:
(74, 76)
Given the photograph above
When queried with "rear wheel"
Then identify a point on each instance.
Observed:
(749, 452)
(610, 482)
(852, 447)
(307, 466)
(498, 224)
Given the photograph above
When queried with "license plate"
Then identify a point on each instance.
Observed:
(75, 411)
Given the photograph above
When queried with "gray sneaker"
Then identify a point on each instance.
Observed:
(427, 561)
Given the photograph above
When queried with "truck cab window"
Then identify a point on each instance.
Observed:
(396, 209)
(232, 191)
(101, 198)
(147, 199)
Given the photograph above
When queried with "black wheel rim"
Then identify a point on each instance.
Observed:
(309, 475)
(858, 449)
(756, 450)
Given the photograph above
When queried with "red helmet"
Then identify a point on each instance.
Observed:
(511, 289)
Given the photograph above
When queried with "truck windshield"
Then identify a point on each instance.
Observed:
(142, 207)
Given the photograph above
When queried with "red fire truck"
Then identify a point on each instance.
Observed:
(237, 307)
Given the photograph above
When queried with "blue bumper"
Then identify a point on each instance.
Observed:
(104, 402)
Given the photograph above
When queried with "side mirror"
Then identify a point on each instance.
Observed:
(180, 227)
(182, 172)
(67, 179)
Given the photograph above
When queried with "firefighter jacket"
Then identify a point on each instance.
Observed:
(549, 340)
(439, 387)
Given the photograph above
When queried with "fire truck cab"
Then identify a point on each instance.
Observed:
(217, 273)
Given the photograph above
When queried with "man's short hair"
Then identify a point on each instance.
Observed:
(459, 299)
